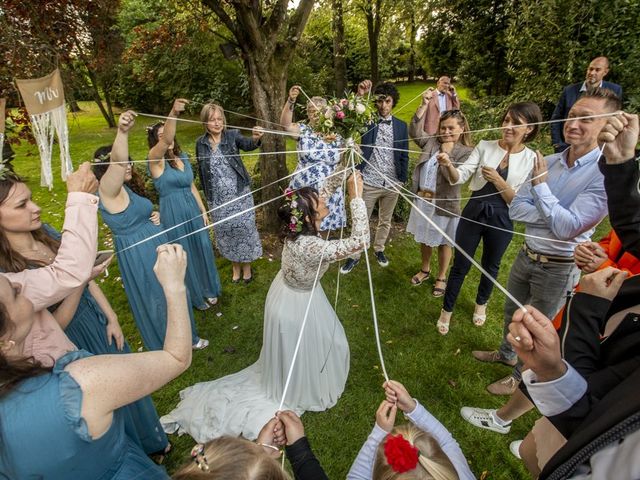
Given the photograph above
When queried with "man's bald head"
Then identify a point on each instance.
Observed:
(597, 70)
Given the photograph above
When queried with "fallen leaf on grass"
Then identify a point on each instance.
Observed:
(484, 475)
(457, 352)
(389, 342)
(453, 384)
(218, 314)
(235, 327)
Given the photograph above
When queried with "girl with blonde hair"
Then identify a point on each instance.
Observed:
(421, 450)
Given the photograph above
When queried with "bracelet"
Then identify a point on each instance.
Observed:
(291, 101)
(269, 446)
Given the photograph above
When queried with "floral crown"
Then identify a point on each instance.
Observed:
(4, 170)
(104, 158)
(401, 455)
(296, 219)
(150, 128)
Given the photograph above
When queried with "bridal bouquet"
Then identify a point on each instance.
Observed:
(346, 117)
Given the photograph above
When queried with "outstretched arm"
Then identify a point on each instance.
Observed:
(109, 382)
(159, 150)
(286, 117)
(112, 195)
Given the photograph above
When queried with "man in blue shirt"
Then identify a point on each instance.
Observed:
(597, 70)
(560, 208)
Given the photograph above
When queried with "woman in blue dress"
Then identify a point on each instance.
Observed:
(318, 156)
(227, 187)
(128, 215)
(79, 432)
(180, 204)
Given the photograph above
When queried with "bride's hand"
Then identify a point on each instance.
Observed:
(355, 185)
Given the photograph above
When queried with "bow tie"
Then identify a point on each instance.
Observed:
(384, 122)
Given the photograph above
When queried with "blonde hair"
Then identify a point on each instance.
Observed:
(433, 463)
(206, 112)
(233, 459)
(317, 102)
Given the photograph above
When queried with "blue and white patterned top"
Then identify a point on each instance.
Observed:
(382, 158)
(320, 159)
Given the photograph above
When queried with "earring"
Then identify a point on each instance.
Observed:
(7, 345)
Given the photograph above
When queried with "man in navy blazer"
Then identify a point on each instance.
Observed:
(385, 147)
(597, 70)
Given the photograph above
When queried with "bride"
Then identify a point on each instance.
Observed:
(241, 403)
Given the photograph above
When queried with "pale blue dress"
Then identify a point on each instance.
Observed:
(143, 290)
(178, 205)
(43, 435)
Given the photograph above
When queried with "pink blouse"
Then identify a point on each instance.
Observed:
(70, 269)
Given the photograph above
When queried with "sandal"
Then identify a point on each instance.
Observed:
(443, 322)
(437, 291)
(159, 456)
(479, 319)
(417, 279)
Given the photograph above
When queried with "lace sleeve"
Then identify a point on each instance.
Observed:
(338, 249)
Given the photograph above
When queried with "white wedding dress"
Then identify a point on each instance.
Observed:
(241, 403)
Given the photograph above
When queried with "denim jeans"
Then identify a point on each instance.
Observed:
(542, 285)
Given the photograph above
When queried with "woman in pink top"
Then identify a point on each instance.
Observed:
(71, 268)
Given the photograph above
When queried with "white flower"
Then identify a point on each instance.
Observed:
(360, 109)
(328, 123)
(294, 204)
(351, 106)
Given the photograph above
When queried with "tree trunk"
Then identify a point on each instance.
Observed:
(93, 84)
(372, 12)
(339, 58)
(267, 80)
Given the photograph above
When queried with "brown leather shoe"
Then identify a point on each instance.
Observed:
(505, 386)
(493, 357)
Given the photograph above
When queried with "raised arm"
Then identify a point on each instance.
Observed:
(159, 150)
(286, 117)
(73, 264)
(109, 382)
(248, 144)
(416, 128)
(112, 195)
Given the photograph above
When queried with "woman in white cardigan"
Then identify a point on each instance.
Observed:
(497, 169)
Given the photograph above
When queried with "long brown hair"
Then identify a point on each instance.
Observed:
(10, 259)
(231, 457)
(153, 139)
(12, 372)
(102, 157)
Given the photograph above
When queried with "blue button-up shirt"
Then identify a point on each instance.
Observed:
(568, 206)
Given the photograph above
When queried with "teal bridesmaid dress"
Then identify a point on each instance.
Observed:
(44, 435)
(177, 206)
(145, 295)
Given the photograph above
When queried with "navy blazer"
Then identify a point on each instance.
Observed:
(570, 95)
(400, 141)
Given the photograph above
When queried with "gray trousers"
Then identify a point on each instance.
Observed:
(542, 285)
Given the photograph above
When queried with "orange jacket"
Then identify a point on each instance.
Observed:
(617, 258)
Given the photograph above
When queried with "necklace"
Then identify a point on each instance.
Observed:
(40, 252)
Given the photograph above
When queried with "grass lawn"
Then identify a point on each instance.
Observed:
(437, 370)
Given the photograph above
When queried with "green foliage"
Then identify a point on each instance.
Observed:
(174, 52)
(550, 44)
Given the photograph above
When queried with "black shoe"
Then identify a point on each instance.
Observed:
(348, 265)
(382, 259)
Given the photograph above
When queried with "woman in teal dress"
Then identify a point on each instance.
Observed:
(180, 204)
(67, 422)
(128, 215)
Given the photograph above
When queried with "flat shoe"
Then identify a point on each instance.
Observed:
(416, 280)
(235, 280)
(437, 291)
(212, 300)
(248, 280)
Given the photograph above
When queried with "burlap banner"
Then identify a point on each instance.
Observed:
(42, 95)
(44, 99)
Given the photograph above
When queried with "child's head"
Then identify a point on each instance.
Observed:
(453, 127)
(432, 463)
(231, 457)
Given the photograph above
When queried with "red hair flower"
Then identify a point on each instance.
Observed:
(401, 455)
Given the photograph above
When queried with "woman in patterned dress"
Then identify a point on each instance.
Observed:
(318, 156)
(226, 185)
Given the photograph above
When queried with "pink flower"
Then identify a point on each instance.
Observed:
(340, 115)
(337, 108)
(344, 102)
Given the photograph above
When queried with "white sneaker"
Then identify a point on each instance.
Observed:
(515, 448)
(483, 418)
(201, 345)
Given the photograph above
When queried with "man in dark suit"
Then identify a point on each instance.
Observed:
(385, 147)
(597, 70)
